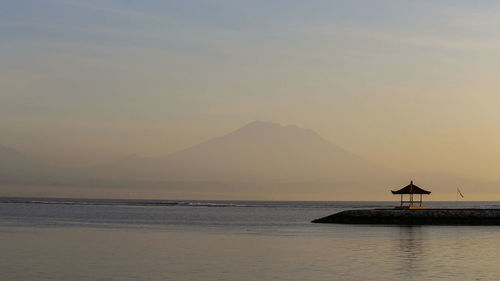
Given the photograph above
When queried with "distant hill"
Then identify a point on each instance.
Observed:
(17, 168)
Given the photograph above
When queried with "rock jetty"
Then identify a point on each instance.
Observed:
(415, 217)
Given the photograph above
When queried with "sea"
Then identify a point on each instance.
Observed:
(103, 239)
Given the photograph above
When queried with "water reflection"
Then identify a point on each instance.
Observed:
(411, 250)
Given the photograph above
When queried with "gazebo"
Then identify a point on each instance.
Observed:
(411, 189)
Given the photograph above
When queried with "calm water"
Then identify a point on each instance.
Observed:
(70, 239)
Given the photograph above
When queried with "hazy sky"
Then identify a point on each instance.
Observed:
(409, 84)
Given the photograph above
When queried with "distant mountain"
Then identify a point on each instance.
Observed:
(16, 167)
(260, 152)
(261, 160)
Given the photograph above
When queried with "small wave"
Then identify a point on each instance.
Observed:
(209, 204)
(200, 203)
(160, 203)
(96, 202)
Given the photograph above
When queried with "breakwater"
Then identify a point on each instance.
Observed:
(415, 217)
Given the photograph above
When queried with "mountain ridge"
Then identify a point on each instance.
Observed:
(258, 151)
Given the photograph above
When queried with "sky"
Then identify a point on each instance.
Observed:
(412, 85)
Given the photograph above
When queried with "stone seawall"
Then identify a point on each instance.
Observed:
(416, 217)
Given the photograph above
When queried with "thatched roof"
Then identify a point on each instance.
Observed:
(411, 189)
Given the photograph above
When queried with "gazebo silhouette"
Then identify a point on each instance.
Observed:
(411, 189)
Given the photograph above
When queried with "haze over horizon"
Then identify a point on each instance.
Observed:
(407, 85)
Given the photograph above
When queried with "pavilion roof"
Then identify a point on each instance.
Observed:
(411, 189)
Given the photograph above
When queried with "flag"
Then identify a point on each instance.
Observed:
(459, 193)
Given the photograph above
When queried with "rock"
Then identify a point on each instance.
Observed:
(416, 217)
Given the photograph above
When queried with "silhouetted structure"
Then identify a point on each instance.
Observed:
(411, 189)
